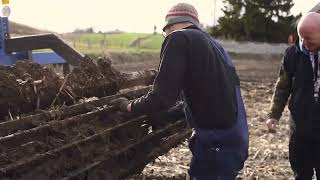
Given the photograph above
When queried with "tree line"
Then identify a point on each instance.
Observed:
(256, 20)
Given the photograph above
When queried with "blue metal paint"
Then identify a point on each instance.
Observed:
(11, 58)
(47, 58)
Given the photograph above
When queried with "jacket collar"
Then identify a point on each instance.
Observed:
(192, 27)
(300, 47)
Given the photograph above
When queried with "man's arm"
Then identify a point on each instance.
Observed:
(280, 96)
(168, 84)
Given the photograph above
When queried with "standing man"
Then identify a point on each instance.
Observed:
(196, 67)
(299, 78)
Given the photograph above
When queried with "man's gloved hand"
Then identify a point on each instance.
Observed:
(122, 103)
(272, 124)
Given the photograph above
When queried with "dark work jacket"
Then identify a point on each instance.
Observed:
(303, 108)
(195, 66)
(191, 66)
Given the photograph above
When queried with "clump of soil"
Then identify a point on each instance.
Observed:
(28, 86)
(94, 78)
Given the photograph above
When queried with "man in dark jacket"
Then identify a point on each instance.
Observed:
(300, 77)
(193, 65)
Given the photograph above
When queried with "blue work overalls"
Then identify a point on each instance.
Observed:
(219, 154)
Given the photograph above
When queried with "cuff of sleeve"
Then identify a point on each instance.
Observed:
(133, 107)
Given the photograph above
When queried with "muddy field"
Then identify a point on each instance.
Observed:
(69, 130)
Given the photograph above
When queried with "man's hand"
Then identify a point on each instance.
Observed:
(272, 124)
(122, 103)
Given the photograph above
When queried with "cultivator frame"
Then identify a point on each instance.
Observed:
(47, 145)
(21, 48)
(88, 140)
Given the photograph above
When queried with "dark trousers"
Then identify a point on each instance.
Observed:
(211, 161)
(304, 157)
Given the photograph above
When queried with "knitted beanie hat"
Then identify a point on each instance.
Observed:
(182, 12)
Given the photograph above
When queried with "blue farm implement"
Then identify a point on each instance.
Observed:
(21, 48)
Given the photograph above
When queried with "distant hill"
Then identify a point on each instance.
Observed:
(17, 29)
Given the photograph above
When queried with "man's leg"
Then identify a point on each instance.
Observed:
(300, 156)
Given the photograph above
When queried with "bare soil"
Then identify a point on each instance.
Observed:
(250, 67)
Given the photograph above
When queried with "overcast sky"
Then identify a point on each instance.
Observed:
(128, 15)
